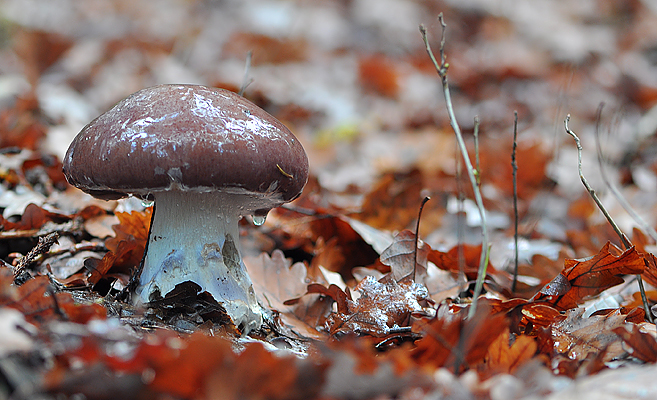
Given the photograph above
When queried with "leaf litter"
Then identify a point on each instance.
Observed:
(352, 310)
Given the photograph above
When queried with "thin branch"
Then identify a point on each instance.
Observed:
(441, 68)
(649, 230)
(45, 243)
(477, 170)
(417, 235)
(247, 68)
(514, 165)
(624, 239)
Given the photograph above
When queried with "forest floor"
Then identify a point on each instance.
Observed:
(353, 81)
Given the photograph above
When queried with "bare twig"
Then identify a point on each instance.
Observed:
(247, 68)
(514, 166)
(477, 170)
(624, 239)
(460, 223)
(417, 235)
(45, 243)
(441, 68)
(649, 230)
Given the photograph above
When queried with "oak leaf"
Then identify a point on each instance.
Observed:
(505, 357)
(126, 247)
(581, 279)
(39, 303)
(454, 341)
(401, 255)
(642, 345)
(577, 337)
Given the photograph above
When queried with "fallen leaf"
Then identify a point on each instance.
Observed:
(378, 74)
(505, 357)
(401, 255)
(577, 337)
(276, 279)
(39, 303)
(453, 341)
(581, 279)
(266, 49)
(126, 247)
(642, 345)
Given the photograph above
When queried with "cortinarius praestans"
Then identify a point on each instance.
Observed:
(206, 156)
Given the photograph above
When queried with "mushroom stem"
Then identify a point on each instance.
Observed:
(195, 237)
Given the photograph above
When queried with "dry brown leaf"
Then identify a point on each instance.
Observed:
(577, 337)
(276, 279)
(581, 279)
(126, 247)
(503, 357)
(401, 255)
(266, 49)
(39, 304)
(454, 341)
(642, 345)
(378, 74)
(394, 202)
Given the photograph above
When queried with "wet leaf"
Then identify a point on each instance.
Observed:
(581, 279)
(642, 345)
(577, 337)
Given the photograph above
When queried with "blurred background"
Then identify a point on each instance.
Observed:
(352, 80)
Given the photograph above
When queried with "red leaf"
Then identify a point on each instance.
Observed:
(451, 339)
(643, 345)
(505, 357)
(581, 279)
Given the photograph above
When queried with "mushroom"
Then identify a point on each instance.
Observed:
(206, 157)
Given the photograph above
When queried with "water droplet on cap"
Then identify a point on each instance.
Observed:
(259, 219)
(147, 203)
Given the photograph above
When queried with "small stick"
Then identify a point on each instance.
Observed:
(649, 230)
(624, 239)
(477, 170)
(42, 247)
(247, 67)
(441, 68)
(514, 165)
(417, 235)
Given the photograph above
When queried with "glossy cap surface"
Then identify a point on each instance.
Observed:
(187, 137)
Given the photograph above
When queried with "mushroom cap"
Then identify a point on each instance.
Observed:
(187, 137)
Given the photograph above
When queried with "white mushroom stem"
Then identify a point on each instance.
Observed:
(195, 237)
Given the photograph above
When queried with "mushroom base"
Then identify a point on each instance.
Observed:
(195, 237)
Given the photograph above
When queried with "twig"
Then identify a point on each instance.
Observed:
(649, 230)
(514, 165)
(441, 68)
(477, 170)
(624, 239)
(45, 243)
(460, 223)
(247, 67)
(417, 235)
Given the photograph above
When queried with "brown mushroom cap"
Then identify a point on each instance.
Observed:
(187, 137)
